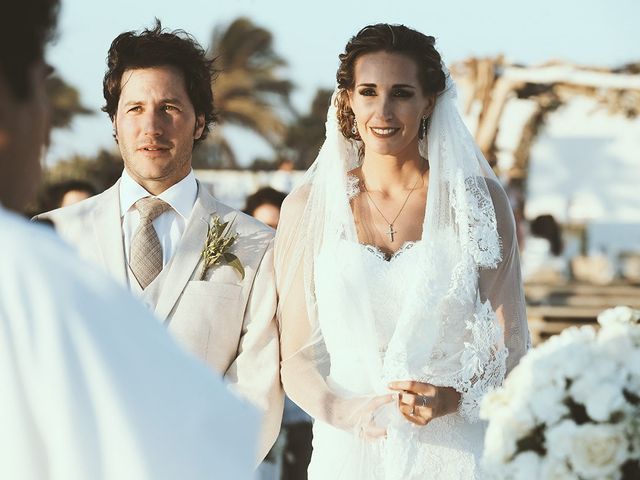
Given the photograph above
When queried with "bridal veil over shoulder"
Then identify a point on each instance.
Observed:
(457, 319)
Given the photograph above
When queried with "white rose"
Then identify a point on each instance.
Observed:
(569, 355)
(615, 342)
(548, 405)
(619, 315)
(598, 451)
(606, 400)
(499, 442)
(556, 469)
(494, 402)
(600, 390)
(525, 466)
(559, 439)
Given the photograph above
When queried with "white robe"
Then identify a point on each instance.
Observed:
(91, 384)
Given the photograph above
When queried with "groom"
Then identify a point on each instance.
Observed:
(149, 230)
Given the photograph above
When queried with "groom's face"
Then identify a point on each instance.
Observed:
(155, 126)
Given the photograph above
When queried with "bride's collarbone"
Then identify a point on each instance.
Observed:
(374, 228)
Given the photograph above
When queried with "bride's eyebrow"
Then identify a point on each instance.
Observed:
(397, 85)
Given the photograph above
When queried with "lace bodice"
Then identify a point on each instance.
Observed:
(387, 285)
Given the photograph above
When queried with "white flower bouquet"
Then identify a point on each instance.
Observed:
(571, 408)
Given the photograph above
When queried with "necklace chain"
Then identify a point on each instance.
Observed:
(391, 231)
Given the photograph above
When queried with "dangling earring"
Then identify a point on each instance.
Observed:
(354, 127)
(424, 127)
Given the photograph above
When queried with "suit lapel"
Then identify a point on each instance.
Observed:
(108, 234)
(187, 255)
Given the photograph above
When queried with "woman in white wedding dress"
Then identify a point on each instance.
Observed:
(398, 275)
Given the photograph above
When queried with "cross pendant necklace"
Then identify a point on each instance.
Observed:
(391, 233)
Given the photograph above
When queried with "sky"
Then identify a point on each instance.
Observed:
(310, 35)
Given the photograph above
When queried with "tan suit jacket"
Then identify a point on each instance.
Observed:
(226, 321)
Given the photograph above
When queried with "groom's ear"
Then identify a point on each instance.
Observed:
(199, 127)
(115, 129)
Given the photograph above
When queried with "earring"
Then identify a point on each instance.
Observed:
(354, 127)
(424, 127)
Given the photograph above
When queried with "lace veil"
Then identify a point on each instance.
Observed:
(466, 326)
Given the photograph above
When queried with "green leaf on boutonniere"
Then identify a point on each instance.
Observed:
(234, 262)
(217, 245)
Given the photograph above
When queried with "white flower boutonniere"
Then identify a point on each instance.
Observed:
(217, 247)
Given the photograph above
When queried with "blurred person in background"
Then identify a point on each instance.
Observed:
(265, 205)
(92, 385)
(65, 193)
(282, 178)
(542, 254)
(150, 229)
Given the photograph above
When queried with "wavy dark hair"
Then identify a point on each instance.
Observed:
(157, 47)
(25, 28)
(545, 226)
(384, 37)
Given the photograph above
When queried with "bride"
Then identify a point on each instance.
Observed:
(398, 273)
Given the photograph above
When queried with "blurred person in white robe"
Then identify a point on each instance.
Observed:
(83, 397)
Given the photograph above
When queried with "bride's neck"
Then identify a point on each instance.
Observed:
(390, 174)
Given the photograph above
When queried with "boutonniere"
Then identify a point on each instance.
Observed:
(216, 251)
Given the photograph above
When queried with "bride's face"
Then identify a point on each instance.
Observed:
(388, 103)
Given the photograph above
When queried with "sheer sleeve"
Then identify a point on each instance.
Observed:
(501, 292)
(305, 362)
(502, 286)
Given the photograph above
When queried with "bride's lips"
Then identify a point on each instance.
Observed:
(384, 132)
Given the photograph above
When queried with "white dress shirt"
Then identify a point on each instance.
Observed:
(170, 225)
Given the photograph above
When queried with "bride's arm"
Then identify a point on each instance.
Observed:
(503, 286)
(305, 362)
(501, 293)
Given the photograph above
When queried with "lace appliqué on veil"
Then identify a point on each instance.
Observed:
(352, 186)
(486, 354)
(475, 212)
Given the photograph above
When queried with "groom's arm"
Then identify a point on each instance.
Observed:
(255, 373)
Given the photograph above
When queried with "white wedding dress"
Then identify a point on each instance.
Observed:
(449, 447)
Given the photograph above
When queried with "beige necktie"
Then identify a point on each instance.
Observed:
(146, 252)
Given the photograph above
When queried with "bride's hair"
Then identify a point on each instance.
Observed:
(384, 37)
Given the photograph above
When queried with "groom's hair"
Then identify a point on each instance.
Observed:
(25, 28)
(157, 47)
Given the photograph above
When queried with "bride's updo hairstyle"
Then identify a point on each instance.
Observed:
(384, 37)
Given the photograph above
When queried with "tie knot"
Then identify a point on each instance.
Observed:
(151, 208)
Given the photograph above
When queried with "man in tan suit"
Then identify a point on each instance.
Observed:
(149, 229)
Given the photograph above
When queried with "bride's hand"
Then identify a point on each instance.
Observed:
(367, 425)
(422, 402)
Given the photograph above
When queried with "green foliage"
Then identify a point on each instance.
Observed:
(101, 171)
(216, 249)
(248, 91)
(65, 102)
(306, 134)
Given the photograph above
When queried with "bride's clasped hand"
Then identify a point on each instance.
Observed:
(422, 402)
